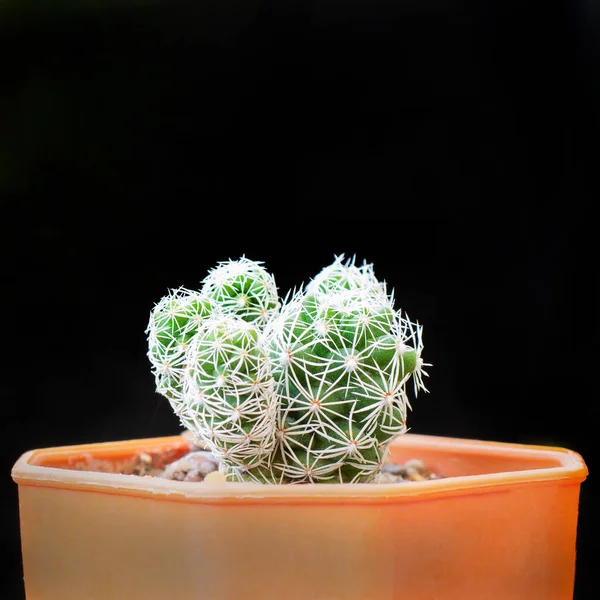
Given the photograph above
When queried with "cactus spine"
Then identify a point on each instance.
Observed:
(311, 389)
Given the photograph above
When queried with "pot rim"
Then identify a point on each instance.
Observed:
(564, 466)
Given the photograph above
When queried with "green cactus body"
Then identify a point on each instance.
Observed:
(340, 362)
(229, 396)
(311, 389)
(173, 323)
(243, 288)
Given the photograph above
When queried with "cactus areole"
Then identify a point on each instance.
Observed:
(309, 388)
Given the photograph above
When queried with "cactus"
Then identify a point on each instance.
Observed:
(243, 288)
(230, 402)
(308, 389)
(345, 275)
(340, 361)
(174, 321)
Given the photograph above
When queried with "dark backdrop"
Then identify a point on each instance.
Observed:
(453, 144)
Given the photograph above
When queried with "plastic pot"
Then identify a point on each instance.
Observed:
(501, 525)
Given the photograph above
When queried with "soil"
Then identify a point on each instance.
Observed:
(198, 463)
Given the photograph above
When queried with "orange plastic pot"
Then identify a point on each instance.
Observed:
(501, 525)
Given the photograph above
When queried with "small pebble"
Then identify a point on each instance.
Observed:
(412, 470)
(393, 469)
(414, 475)
(384, 477)
(215, 477)
(145, 465)
(195, 466)
(416, 464)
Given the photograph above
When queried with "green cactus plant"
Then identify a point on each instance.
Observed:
(309, 389)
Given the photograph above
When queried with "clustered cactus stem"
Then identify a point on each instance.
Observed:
(312, 388)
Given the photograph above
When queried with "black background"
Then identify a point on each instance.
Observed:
(452, 144)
